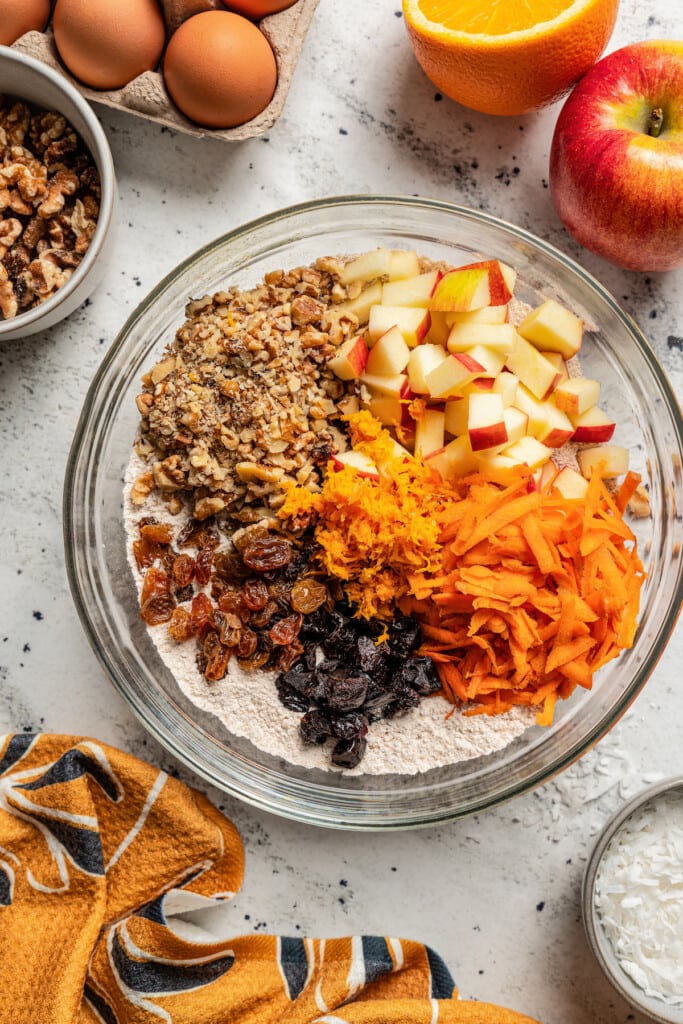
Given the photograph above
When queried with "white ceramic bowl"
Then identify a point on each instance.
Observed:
(29, 80)
(655, 1009)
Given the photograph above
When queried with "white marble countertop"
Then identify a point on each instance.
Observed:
(497, 894)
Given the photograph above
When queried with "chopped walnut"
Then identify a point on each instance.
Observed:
(639, 504)
(10, 230)
(242, 401)
(8, 298)
(49, 204)
(142, 488)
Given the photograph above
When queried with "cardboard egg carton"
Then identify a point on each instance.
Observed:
(146, 95)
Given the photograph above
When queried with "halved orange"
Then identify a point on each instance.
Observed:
(508, 56)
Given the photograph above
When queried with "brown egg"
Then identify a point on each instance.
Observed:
(19, 16)
(107, 43)
(257, 8)
(220, 69)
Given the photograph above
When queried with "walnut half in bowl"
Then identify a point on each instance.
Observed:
(57, 197)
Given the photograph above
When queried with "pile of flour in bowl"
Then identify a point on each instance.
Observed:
(246, 702)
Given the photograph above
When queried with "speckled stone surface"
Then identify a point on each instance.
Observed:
(497, 894)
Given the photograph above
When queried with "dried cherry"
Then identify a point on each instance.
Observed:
(291, 698)
(349, 753)
(420, 675)
(346, 692)
(350, 725)
(315, 727)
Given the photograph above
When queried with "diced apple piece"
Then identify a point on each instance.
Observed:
(576, 395)
(506, 385)
(607, 459)
(486, 422)
(358, 461)
(389, 411)
(545, 476)
(413, 323)
(496, 460)
(348, 405)
(516, 423)
(570, 484)
(528, 451)
(395, 386)
(497, 337)
(423, 359)
(457, 416)
(492, 360)
(451, 376)
(438, 330)
(485, 315)
(472, 287)
(361, 305)
(552, 326)
(557, 359)
(406, 434)
(413, 291)
(559, 428)
(397, 451)
(509, 276)
(592, 427)
(350, 359)
(403, 264)
(478, 385)
(367, 266)
(455, 460)
(429, 432)
(389, 354)
(536, 410)
(533, 369)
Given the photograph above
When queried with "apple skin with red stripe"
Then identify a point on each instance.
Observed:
(616, 174)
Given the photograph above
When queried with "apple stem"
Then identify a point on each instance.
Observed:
(654, 125)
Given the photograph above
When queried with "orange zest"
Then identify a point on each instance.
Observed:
(504, 57)
(522, 594)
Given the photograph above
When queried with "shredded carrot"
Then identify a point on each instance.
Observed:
(522, 594)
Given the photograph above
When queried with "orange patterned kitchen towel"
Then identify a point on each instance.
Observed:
(113, 882)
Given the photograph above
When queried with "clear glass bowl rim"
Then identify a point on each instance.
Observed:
(293, 800)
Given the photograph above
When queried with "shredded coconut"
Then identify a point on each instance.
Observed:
(639, 897)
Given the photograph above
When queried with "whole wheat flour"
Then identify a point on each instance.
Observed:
(431, 736)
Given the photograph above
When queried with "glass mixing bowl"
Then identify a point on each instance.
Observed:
(635, 392)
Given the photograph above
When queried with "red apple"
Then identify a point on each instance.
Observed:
(616, 160)
(356, 460)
